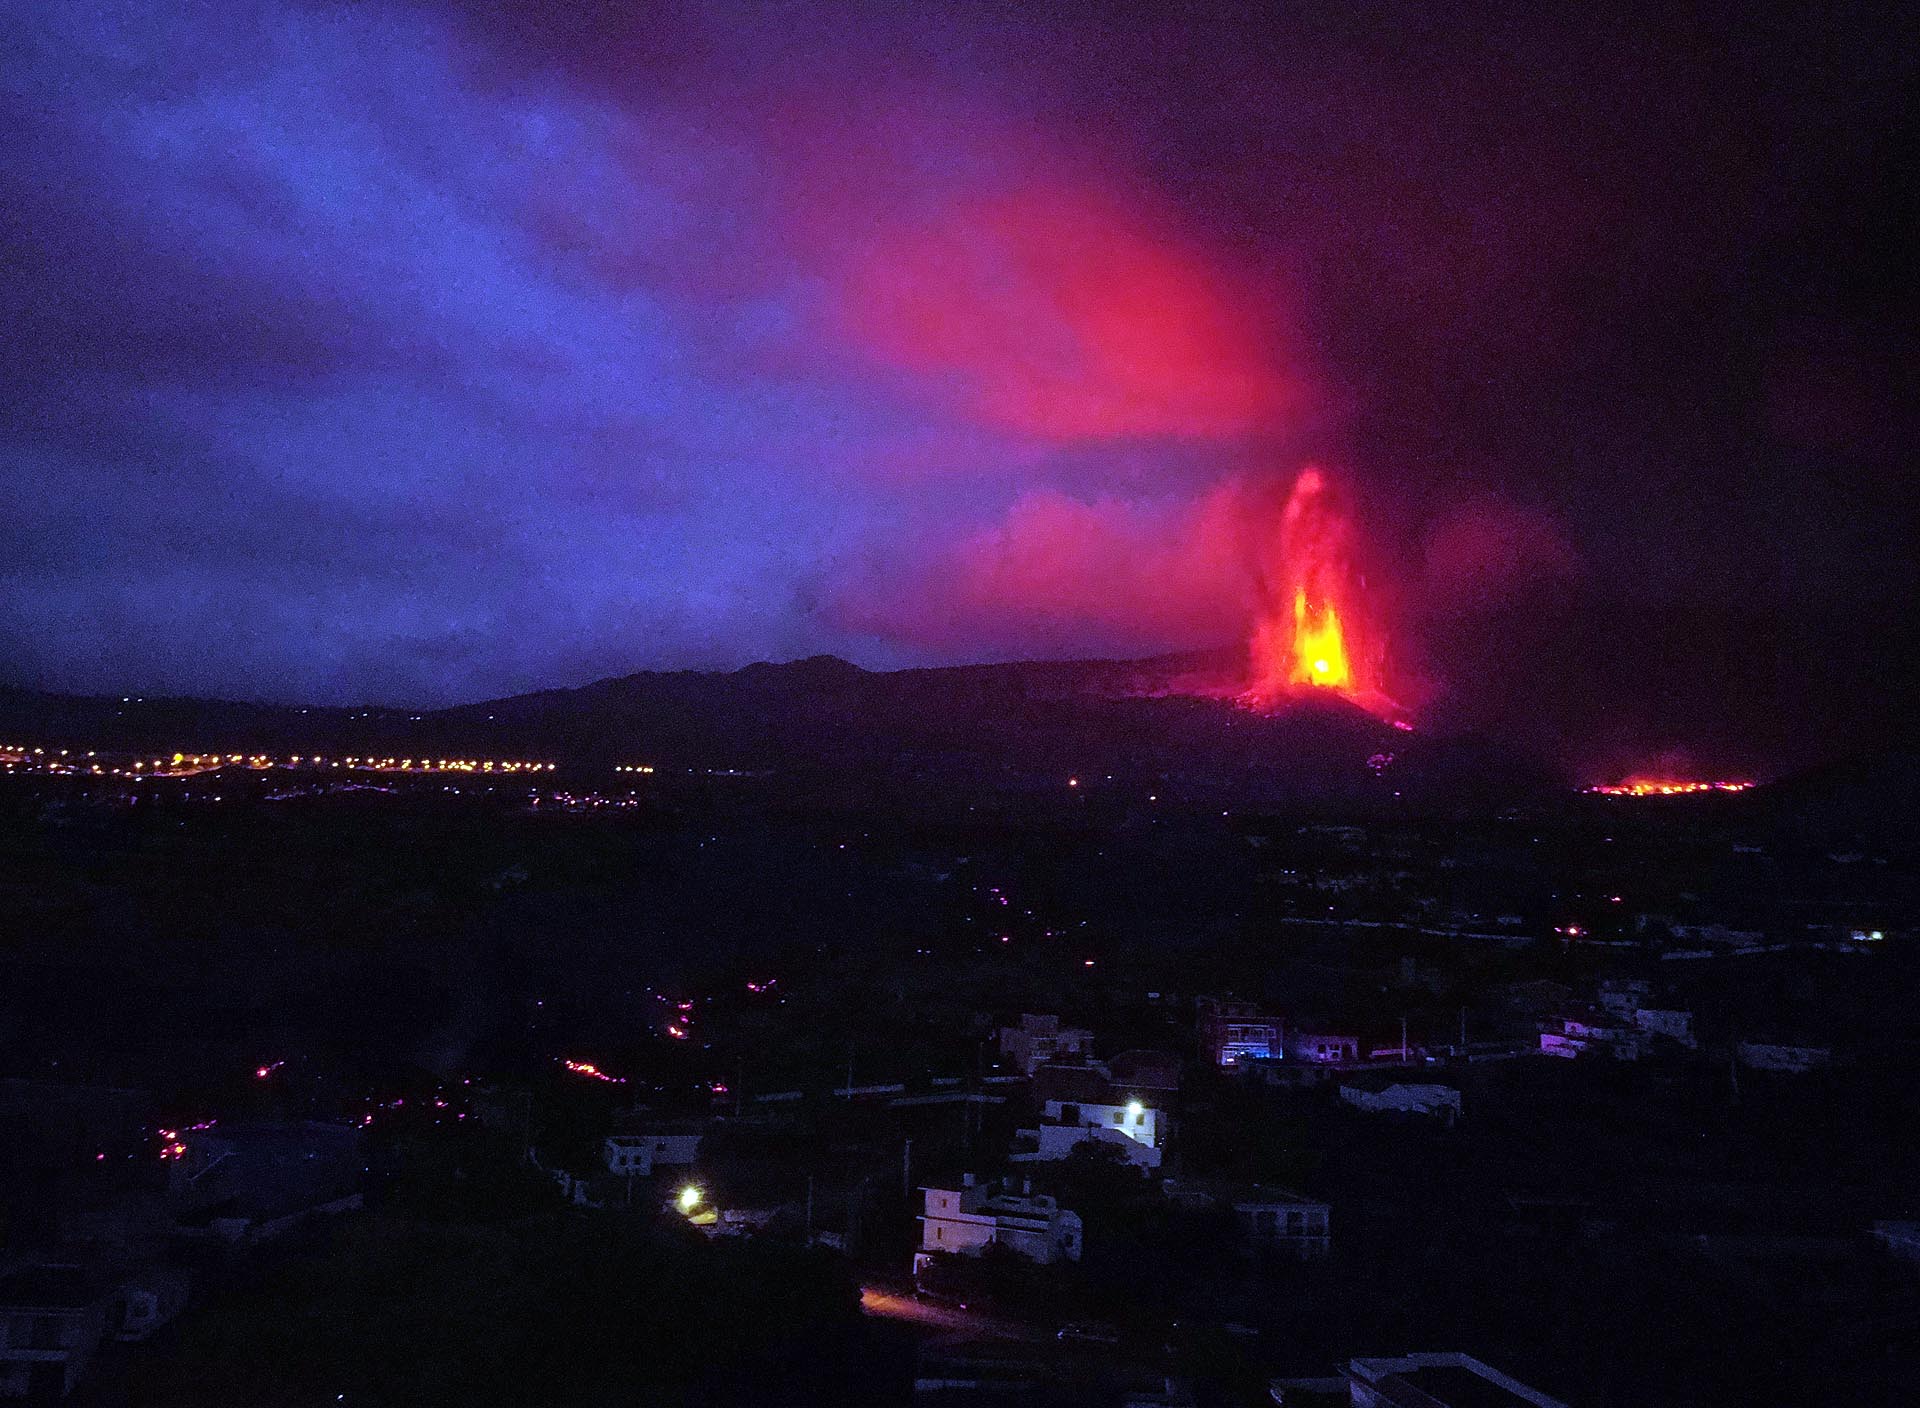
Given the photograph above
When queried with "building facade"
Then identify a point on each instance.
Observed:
(638, 1155)
(1081, 1104)
(965, 1221)
(1274, 1220)
(1445, 1380)
(1441, 1102)
(1772, 1056)
(52, 1320)
(1673, 1023)
(1322, 1048)
(1039, 1039)
(1232, 1031)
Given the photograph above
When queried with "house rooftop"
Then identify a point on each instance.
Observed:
(1268, 1193)
(1090, 1084)
(1146, 1070)
(1233, 1194)
(1445, 1381)
(640, 1122)
(1451, 1386)
(47, 1288)
(1080, 1084)
(628, 1138)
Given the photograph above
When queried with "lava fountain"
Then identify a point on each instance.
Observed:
(1304, 636)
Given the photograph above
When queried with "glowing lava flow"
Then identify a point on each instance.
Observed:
(1661, 787)
(592, 1072)
(1303, 639)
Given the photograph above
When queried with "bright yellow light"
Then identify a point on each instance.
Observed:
(689, 1197)
(1319, 644)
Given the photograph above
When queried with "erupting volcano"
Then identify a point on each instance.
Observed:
(1304, 638)
(1319, 652)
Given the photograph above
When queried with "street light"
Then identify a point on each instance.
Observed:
(689, 1197)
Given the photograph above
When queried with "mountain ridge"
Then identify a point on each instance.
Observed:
(1011, 724)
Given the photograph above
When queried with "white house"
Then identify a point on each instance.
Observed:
(52, 1320)
(1057, 1141)
(1322, 1048)
(1621, 996)
(1441, 1102)
(1265, 1217)
(1039, 1039)
(969, 1219)
(638, 1155)
(1270, 1217)
(1079, 1104)
(1768, 1056)
(1673, 1023)
(149, 1299)
(1900, 1238)
(1722, 934)
(1576, 1036)
(1232, 1032)
(1448, 1380)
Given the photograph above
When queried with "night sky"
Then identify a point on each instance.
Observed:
(423, 353)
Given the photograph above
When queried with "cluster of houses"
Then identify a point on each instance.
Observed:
(1621, 1022)
(1125, 1105)
(967, 1220)
(1428, 1380)
(1128, 1104)
(235, 1186)
(659, 1158)
(106, 1245)
(1236, 1034)
(1625, 1021)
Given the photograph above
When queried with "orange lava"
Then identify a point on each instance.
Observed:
(1305, 636)
(1664, 787)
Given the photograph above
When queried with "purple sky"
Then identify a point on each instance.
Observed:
(423, 353)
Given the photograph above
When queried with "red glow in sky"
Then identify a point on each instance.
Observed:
(1068, 577)
(1060, 313)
